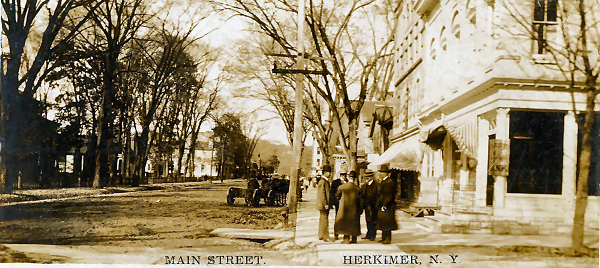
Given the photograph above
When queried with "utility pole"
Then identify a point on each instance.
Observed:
(293, 204)
(300, 72)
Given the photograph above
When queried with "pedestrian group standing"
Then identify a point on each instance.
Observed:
(375, 197)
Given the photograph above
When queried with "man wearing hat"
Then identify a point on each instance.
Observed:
(386, 206)
(343, 176)
(323, 197)
(368, 200)
(334, 198)
(347, 220)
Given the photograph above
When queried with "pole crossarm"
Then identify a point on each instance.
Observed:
(297, 71)
(306, 56)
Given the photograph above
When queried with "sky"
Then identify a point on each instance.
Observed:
(227, 32)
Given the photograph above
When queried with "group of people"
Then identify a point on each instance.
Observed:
(376, 197)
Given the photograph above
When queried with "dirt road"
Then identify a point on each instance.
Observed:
(138, 227)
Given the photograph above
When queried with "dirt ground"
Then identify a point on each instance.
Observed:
(150, 224)
(171, 220)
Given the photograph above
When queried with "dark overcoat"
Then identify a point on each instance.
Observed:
(334, 197)
(386, 220)
(323, 194)
(347, 220)
(368, 194)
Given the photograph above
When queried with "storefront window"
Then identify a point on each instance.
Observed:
(594, 177)
(536, 152)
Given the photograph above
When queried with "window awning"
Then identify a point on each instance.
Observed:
(465, 135)
(404, 155)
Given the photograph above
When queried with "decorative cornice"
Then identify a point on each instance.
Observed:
(460, 98)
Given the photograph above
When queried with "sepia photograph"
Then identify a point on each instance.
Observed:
(288, 133)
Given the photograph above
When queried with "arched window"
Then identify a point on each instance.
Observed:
(472, 16)
(455, 26)
(432, 49)
(443, 40)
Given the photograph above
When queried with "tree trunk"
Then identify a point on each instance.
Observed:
(104, 119)
(12, 115)
(141, 157)
(125, 168)
(351, 153)
(583, 173)
(101, 143)
(180, 156)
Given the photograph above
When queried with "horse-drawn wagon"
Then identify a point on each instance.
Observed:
(273, 193)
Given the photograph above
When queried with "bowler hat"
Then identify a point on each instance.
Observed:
(368, 173)
(384, 168)
(352, 174)
(326, 168)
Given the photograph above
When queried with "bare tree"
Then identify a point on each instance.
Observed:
(253, 131)
(322, 129)
(117, 23)
(165, 57)
(197, 106)
(339, 41)
(256, 81)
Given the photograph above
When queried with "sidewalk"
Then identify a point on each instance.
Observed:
(332, 253)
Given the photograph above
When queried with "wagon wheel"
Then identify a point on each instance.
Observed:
(272, 199)
(248, 197)
(256, 199)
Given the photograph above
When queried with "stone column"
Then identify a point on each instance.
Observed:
(502, 132)
(569, 162)
(482, 163)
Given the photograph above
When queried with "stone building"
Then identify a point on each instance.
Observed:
(483, 123)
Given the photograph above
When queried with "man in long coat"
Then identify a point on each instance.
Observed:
(368, 198)
(386, 206)
(347, 220)
(323, 197)
(334, 200)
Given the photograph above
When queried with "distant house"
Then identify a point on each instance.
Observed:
(203, 162)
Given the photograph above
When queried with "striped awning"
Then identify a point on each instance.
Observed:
(464, 134)
(403, 155)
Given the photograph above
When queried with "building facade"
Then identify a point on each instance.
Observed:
(484, 125)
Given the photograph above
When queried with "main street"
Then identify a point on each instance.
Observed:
(140, 227)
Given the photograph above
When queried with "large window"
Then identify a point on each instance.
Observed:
(594, 177)
(536, 152)
(544, 23)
